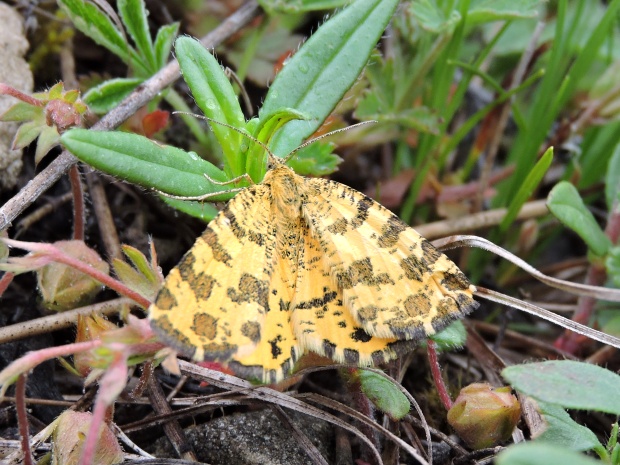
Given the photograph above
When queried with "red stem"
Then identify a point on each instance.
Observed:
(13, 92)
(57, 255)
(22, 418)
(5, 281)
(78, 203)
(431, 349)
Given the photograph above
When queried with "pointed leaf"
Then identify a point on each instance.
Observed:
(134, 16)
(48, 139)
(26, 133)
(139, 260)
(527, 188)
(314, 80)
(215, 97)
(163, 43)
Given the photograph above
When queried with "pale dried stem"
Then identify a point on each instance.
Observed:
(480, 220)
(59, 321)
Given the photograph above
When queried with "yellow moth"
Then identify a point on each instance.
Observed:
(297, 264)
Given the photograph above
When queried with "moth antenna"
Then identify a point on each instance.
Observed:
(272, 157)
(327, 134)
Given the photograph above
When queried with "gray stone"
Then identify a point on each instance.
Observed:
(15, 72)
(255, 438)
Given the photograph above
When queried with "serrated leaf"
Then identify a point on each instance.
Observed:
(567, 206)
(386, 396)
(583, 386)
(107, 95)
(141, 161)
(612, 181)
(134, 16)
(163, 42)
(315, 79)
(48, 139)
(563, 431)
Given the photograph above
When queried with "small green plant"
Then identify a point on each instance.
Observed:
(303, 95)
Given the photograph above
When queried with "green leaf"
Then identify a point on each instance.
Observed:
(48, 139)
(315, 160)
(26, 133)
(612, 181)
(451, 337)
(567, 206)
(201, 210)
(88, 19)
(139, 260)
(134, 16)
(431, 18)
(141, 161)
(163, 43)
(107, 95)
(215, 97)
(612, 264)
(299, 6)
(22, 111)
(563, 431)
(574, 385)
(525, 191)
(264, 130)
(484, 11)
(535, 453)
(134, 280)
(382, 392)
(314, 80)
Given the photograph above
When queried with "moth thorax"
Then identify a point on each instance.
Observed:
(288, 193)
